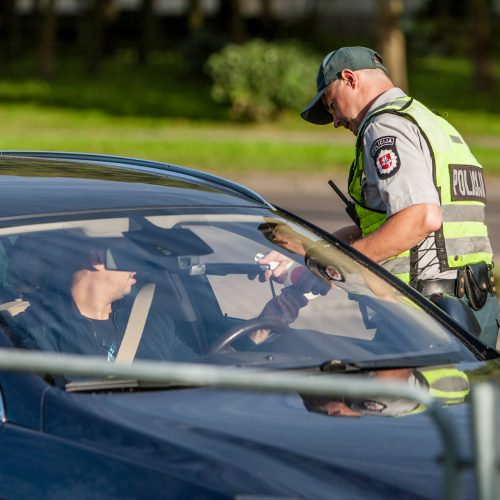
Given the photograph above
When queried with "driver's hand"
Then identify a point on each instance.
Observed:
(285, 307)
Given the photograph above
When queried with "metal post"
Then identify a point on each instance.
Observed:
(485, 399)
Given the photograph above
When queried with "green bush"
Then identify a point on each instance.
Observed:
(259, 79)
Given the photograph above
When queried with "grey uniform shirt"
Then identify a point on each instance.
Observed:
(399, 174)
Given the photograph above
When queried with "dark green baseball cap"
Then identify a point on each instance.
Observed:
(353, 58)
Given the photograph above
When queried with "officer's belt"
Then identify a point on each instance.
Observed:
(429, 287)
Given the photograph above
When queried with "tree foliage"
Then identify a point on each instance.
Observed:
(42, 37)
(260, 79)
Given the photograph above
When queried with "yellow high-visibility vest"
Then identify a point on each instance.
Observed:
(458, 177)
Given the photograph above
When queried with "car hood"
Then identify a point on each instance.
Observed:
(238, 443)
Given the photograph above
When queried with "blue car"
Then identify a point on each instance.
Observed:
(129, 261)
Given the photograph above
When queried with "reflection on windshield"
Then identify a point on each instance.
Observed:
(446, 383)
(251, 289)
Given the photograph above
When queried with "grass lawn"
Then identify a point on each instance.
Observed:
(214, 146)
(158, 113)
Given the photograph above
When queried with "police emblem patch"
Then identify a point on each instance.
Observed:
(385, 156)
(333, 273)
(375, 406)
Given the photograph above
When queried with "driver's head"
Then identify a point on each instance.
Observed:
(96, 272)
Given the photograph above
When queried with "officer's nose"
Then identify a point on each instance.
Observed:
(337, 122)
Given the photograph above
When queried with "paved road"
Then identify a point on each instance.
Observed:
(312, 198)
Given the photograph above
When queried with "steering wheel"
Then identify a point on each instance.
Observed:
(245, 328)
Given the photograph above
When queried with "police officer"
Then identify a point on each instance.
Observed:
(448, 384)
(418, 192)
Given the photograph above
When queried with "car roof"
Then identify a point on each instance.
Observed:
(36, 183)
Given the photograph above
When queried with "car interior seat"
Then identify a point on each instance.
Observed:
(32, 268)
(173, 298)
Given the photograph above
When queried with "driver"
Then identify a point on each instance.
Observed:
(88, 314)
(88, 311)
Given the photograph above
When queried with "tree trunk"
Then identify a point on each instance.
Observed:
(482, 43)
(266, 17)
(195, 16)
(391, 41)
(444, 21)
(231, 20)
(47, 50)
(9, 27)
(147, 30)
(95, 42)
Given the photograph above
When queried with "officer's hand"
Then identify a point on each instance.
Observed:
(278, 265)
(307, 282)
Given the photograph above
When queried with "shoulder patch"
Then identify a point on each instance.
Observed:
(385, 156)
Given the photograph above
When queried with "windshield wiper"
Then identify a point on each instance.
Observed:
(340, 366)
(112, 384)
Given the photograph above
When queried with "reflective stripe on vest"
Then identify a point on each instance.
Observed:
(447, 383)
(457, 175)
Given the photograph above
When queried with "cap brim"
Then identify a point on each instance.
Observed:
(315, 112)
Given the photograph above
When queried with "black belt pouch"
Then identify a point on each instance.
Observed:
(476, 284)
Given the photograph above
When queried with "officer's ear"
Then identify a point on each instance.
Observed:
(350, 78)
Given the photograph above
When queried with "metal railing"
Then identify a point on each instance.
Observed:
(247, 379)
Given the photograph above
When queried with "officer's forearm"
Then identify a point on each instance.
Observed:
(400, 232)
(348, 234)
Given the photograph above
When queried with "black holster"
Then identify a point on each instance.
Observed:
(458, 310)
(477, 283)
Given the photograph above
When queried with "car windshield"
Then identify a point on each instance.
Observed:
(197, 283)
